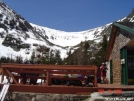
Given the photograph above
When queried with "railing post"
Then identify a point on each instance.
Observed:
(47, 78)
(2, 77)
(95, 77)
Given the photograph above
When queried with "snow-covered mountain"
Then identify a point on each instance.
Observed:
(19, 37)
(64, 39)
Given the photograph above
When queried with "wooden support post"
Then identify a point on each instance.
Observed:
(11, 76)
(95, 78)
(2, 77)
(47, 78)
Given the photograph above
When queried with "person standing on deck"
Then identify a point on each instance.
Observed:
(103, 70)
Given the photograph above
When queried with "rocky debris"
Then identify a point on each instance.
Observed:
(123, 96)
(15, 96)
(96, 96)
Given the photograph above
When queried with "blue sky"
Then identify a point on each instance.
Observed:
(71, 15)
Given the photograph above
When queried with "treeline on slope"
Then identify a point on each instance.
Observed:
(47, 56)
(88, 53)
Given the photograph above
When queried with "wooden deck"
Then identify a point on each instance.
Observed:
(47, 87)
(48, 71)
(114, 86)
(63, 89)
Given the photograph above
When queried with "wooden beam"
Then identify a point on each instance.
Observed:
(51, 72)
(47, 79)
(72, 72)
(27, 71)
(95, 78)
(2, 77)
(61, 89)
(111, 41)
(50, 69)
(11, 76)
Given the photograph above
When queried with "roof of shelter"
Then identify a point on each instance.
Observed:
(127, 26)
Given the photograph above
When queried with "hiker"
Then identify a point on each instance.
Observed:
(103, 70)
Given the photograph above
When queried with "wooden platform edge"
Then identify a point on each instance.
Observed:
(59, 89)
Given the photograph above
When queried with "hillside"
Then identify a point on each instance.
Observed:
(21, 38)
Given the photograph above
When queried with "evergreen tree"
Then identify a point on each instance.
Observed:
(86, 47)
(44, 61)
(69, 58)
(51, 57)
(85, 53)
(57, 57)
(69, 53)
(19, 59)
(100, 55)
(33, 56)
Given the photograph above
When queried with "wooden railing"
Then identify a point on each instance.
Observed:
(8, 69)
